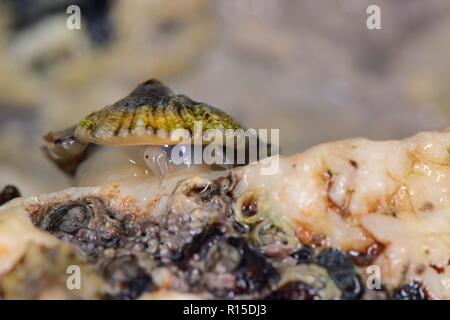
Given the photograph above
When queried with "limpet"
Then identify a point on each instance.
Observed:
(147, 117)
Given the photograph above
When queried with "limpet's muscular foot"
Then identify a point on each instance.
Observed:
(157, 160)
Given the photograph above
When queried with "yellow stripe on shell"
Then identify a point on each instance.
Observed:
(150, 124)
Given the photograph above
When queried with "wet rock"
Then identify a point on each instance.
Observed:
(9, 192)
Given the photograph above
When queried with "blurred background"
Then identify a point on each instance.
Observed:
(308, 67)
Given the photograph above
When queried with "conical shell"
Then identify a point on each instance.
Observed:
(148, 116)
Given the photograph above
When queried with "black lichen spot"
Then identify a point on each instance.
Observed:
(9, 192)
(342, 272)
(296, 290)
(304, 255)
(411, 291)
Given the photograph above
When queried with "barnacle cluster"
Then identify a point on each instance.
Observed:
(198, 245)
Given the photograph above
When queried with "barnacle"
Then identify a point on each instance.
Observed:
(250, 208)
(306, 281)
(268, 230)
(274, 234)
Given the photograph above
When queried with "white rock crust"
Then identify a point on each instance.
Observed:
(351, 194)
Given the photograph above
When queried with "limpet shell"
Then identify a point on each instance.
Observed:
(148, 116)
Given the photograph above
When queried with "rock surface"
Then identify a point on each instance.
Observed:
(316, 229)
